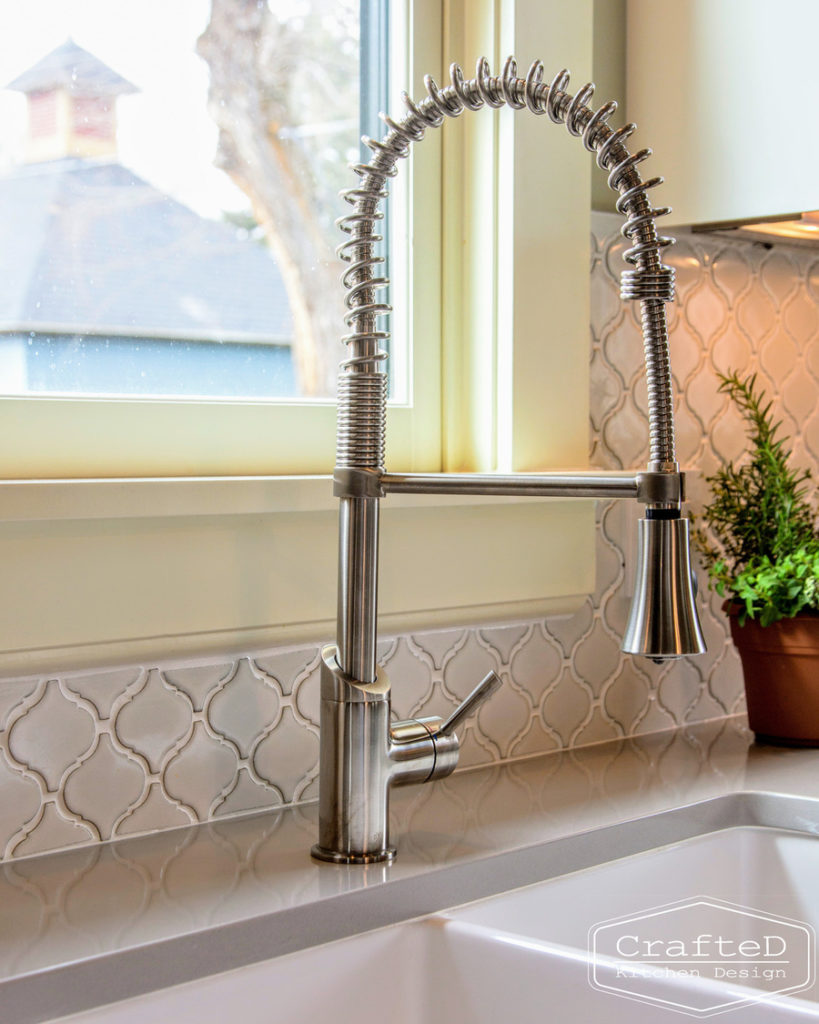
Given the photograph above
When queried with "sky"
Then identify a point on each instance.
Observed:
(165, 133)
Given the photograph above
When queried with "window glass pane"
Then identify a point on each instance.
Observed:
(169, 178)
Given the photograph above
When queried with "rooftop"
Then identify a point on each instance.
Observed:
(75, 69)
(92, 246)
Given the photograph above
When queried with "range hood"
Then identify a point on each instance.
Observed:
(793, 228)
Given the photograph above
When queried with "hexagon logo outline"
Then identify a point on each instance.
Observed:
(731, 995)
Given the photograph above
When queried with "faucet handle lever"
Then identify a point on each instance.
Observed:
(485, 688)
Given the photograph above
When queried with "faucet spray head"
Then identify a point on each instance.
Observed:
(663, 622)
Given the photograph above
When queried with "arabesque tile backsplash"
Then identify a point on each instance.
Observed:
(85, 758)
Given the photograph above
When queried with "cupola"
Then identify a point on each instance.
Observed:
(72, 99)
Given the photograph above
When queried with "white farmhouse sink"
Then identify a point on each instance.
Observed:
(523, 955)
(736, 884)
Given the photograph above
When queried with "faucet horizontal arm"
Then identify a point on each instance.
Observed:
(524, 484)
(649, 487)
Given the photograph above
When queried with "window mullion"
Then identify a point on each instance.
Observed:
(471, 208)
(516, 253)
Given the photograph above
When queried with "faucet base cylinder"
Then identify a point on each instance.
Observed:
(354, 767)
(334, 857)
(362, 755)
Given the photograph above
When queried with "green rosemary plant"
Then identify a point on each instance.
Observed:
(758, 535)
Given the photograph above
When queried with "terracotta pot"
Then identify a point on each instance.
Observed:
(780, 664)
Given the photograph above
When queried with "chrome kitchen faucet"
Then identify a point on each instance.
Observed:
(363, 753)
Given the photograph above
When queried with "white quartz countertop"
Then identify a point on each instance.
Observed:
(103, 922)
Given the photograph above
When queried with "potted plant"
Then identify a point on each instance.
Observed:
(759, 542)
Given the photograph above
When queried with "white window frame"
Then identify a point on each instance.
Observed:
(81, 437)
(118, 551)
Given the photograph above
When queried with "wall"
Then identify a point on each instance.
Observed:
(88, 757)
(609, 69)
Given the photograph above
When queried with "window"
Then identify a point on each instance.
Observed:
(162, 315)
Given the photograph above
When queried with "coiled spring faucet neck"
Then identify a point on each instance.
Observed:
(363, 383)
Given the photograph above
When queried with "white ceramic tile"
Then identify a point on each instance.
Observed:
(52, 830)
(507, 717)
(103, 688)
(439, 644)
(686, 352)
(199, 681)
(605, 390)
(16, 696)
(625, 696)
(154, 721)
(244, 706)
(506, 640)
(20, 800)
(705, 706)
(538, 739)
(156, 810)
(598, 659)
(722, 681)
(476, 749)
(801, 317)
(537, 663)
(779, 356)
(731, 272)
(306, 692)
(566, 707)
(626, 434)
(465, 667)
(706, 311)
(287, 755)
(411, 680)
(730, 350)
(248, 793)
(757, 313)
(779, 275)
(799, 393)
(288, 667)
(104, 785)
(202, 772)
(597, 728)
(52, 736)
(569, 630)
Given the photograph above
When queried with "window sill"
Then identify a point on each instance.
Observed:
(123, 571)
(159, 497)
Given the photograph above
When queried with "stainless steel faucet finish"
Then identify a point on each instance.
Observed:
(362, 754)
(664, 592)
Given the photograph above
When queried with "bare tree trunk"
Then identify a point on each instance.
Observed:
(250, 55)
